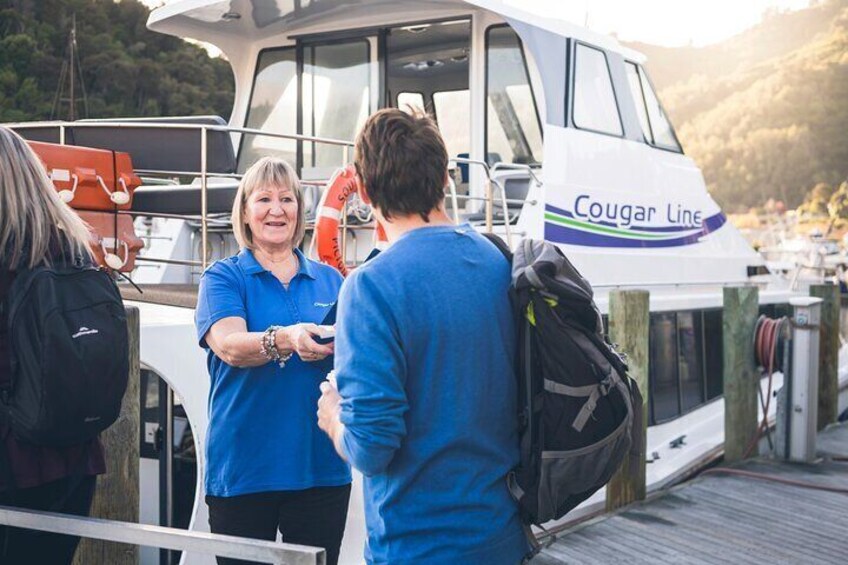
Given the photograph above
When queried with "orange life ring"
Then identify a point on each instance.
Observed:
(342, 185)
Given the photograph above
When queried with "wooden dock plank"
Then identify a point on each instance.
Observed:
(719, 518)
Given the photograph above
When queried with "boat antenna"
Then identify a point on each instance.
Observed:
(71, 68)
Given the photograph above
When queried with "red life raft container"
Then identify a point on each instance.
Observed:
(89, 179)
(113, 240)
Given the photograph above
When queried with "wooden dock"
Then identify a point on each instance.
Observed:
(723, 518)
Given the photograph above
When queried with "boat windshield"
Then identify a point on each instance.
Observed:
(656, 127)
(513, 129)
(424, 66)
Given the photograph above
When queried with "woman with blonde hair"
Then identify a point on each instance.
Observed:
(269, 467)
(37, 228)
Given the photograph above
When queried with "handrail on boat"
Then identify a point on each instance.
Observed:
(166, 538)
(489, 198)
(168, 126)
(204, 174)
(517, 167)
(204, 130)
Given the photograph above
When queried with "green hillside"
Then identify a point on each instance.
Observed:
(764, 114)
(127, 70)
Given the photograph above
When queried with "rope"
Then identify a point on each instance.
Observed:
(765, 477)
(766, 336)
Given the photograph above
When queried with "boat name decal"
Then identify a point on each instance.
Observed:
(595, 223)
(625, 214)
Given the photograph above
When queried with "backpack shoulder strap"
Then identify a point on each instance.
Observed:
(6, 279)
(500, 244)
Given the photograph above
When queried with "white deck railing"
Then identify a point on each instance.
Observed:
(165, 538)
(203, 130)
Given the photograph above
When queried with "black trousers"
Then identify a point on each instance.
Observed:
(25, 547)
(314, 516)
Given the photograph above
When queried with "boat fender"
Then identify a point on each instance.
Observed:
(342, 185)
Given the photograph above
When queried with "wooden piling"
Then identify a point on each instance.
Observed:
(117, 494)
(629, 326)
(828, 353)
(739, 317)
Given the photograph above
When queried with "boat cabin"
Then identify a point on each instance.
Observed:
(507, 88)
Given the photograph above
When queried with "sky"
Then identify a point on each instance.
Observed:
(670, 23)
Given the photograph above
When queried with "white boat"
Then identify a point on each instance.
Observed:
(563, 126)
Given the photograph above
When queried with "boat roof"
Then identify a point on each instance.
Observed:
(220, 22)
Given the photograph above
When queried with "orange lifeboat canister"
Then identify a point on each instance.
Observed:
(342, 185)
(113, 239)
(89, 179)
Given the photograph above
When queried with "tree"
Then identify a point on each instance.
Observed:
(837, 206)
(127, 70)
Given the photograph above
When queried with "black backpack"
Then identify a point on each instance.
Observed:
(68, 346)
(579, 412)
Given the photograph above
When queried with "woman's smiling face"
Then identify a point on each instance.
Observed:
(271, 214)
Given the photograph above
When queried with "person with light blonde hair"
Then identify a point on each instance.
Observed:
(269, 467)
(37, 228)
(32, 216)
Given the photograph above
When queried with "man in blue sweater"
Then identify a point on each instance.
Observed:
(426, 400)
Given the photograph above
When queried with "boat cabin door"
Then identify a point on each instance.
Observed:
(168, 464)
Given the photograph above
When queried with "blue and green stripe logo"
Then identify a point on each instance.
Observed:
(562, 227)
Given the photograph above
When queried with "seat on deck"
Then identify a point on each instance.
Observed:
(516, 186)
(185, 199)
(151, 148)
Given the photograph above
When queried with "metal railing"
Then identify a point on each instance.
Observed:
(203, 129)
(162, 537)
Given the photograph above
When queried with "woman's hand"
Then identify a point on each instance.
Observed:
(298, 338)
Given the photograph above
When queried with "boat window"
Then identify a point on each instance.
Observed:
(686, 364)
(336, 97)
(452, 111)
(273, 108)
(406, 100)
(513, 131)
(161, 409)
(690, 353)
(595, 107)
(713, 353)
(427, 64)
(639, 100)
(664, 390)
(663, 133)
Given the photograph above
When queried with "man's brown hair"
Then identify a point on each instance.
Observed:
(402, 161)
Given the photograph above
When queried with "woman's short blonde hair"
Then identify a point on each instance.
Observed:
(33, 219)
(267, 171)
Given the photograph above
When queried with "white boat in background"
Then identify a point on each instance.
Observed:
(555, 132)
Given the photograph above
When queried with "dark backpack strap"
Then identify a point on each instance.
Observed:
(75, 478)
(12, 488)
(500, 244)
(6, 279)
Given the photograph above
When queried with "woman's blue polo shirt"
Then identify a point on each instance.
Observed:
(263, 432)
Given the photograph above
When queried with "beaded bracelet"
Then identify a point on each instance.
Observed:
(268, 347)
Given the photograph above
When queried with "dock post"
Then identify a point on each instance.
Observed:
(629, 326)
(117, 493)
(739, 317)
(828, 352)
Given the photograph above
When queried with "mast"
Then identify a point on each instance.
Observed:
(73, 49)
(71, 67)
